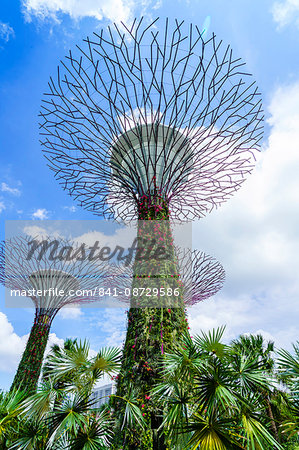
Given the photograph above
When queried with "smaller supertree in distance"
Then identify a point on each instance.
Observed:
(199, 277)
(202, 275)
(53, 276)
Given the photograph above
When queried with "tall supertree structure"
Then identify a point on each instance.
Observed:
(151, 122)
(51, 282)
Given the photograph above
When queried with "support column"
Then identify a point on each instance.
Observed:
(153, 328)
(30, 365)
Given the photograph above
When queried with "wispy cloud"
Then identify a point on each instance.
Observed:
(286, 12)
(10, 190)
(112, 10)
(34, 231)
(2, 207)
(71, 209)
(6, 32)
(40, 214)
(269, 311)
(112, 322)
(70, 313)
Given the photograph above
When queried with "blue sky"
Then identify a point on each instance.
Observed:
(254, 235)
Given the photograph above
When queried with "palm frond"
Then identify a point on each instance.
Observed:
(213, 433)
(39, 404)
(32, 434)
(256, 435)
(107, 361)
(210, 342)
(216, 385)
(249, 371)
(132, 413)
(96, 435)
(69, 416)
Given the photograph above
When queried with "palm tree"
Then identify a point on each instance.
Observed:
(255, 346)
(61, 413)
(212, 396)
(288, 365)
(289, 368)
(9, 413)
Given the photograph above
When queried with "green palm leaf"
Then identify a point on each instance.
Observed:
(210, 343)
(107, 361)
(69, 416)
(249, 371)
(132, 414)
(32, 434)
(10, 409)
(216, 385)
(96, 435)
(213, 432)
(256, 435)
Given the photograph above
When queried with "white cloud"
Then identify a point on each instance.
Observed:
(2, 207)
(255, 237)
(112, 322)
(11, 345)
(116, 338)
(13, 191)
(6, 31)
(40, 213)
(53, 339)
(34, 231)
(70, 313)
(123, 237)
(41, 232)
(286, 12)
(267, 336)
(274, 314)
(113, 10)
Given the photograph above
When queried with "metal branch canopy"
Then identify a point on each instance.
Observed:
(49, 275)
(151, 111)
(201, 276)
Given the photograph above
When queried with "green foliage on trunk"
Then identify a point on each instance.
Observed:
(153, 328)
(30, 365)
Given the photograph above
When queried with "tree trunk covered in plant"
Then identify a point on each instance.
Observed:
(30, 365)
(153, 327)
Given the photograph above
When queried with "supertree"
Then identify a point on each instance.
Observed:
(51, 282)
(151, 122)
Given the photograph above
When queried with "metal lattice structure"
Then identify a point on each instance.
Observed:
(201, 275)
(18, 272)
(151, 111)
